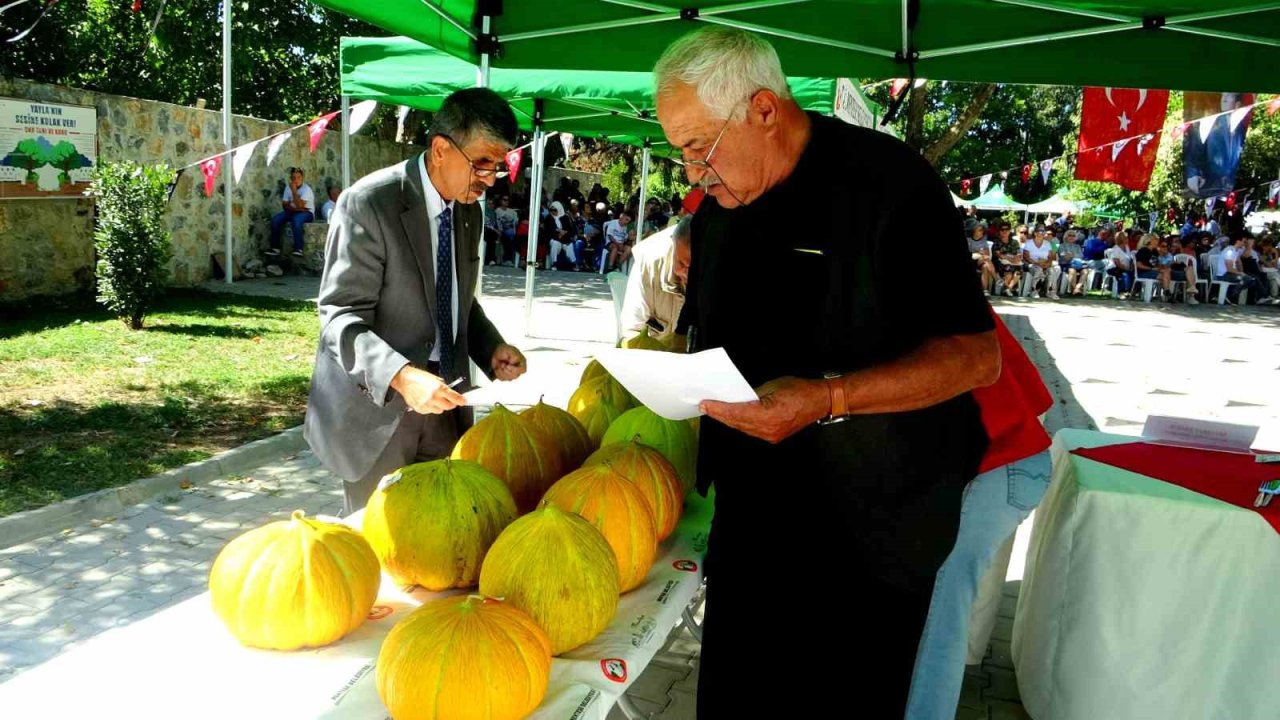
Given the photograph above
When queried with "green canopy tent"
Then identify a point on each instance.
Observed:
(995, 199)
(617, 106)
(1187, 44)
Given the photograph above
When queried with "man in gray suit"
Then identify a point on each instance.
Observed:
(398, 314)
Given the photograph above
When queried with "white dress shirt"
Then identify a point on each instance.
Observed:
(435, 206)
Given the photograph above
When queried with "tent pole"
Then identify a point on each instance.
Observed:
(482, 80)
(535, 216)
(228, 177)
(346, 142)
(644, 187)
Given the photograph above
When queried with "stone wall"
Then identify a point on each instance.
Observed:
(46, 246)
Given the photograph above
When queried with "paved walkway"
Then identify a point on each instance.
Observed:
(1109, 363)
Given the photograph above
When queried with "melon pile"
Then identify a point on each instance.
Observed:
(552, 513)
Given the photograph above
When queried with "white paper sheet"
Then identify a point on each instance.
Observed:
(672, 384)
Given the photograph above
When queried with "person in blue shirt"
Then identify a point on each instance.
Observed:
(1095, 247)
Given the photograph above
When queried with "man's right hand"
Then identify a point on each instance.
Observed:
(424, 392)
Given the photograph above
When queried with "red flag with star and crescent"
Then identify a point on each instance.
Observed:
(1113, 122)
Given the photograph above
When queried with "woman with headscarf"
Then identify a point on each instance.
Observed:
(560, 232)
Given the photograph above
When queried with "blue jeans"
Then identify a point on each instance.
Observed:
(297, 219)
(994, 504)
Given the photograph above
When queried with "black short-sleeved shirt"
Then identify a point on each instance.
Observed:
(1146, 256)
(817, 276)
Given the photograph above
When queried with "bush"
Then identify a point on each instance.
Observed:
(131, 238)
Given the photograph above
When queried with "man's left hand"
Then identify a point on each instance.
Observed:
(507, 363)
(786, 406)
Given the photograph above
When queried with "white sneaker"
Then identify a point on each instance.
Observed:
(1035, 295)
(1191, 300)
(1052, 296)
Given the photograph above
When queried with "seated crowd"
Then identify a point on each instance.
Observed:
(1057, 259)
(574, 233)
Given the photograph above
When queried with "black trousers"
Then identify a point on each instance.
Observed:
(799, 621)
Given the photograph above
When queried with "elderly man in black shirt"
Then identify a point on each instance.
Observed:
(838, 491)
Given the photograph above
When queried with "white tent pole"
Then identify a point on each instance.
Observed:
(644, 182)
(228, 177)
(346, 142)
(482, 80)
(535, 218)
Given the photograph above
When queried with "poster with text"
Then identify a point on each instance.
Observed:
(47, 150)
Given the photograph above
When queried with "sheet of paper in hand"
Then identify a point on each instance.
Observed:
(672, 384)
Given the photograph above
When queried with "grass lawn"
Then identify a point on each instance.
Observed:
(86, 404)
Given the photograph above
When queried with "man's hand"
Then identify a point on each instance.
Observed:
(507, 363)
(786, 406)
(424, 392)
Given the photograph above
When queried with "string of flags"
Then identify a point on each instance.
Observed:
(1204, 126)
(211, 166)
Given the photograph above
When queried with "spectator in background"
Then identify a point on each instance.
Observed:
(1184, 266)
(597, 194)
(1227, 268)
(1119, 264)
(1212, 227)
(1251, 264)
(326, 210)
(1095, 250)
(1270, 261)
(1148, 267)
(617, 234)
(508, 220)
(655, 219)
(575, 194)
(299, 208)
(1008, 253)
(559, 228)
(980, 251)
(1071, 262)
(1041, 262)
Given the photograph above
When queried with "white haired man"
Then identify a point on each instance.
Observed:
(852, 462)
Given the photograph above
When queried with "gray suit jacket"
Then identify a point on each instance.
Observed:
(377, 313)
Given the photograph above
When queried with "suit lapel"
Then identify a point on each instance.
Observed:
(465, 242)
(417, 230)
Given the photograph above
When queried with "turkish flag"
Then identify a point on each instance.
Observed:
(1111, 120)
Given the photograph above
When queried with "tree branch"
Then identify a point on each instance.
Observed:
(943, 145)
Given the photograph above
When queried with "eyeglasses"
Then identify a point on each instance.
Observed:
(499, 171)
(705, 162)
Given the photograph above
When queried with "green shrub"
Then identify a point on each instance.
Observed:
(132, 237)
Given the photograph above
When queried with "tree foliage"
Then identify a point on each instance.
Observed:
(131, 237)
(284, 55)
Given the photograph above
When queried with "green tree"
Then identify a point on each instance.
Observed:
(284, 56)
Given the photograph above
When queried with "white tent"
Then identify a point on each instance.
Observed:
(1056, 205)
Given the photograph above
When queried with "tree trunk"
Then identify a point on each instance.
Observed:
(917, 105)
(934, 152)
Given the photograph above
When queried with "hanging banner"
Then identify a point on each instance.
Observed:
(983, 183)
(850, 105)
(359, 115)
(1212, 155)
(1046, 167)
(273, 147)
(240, 160)
(210, 168)
(1109, 118)
(317, 127)
(514, 158)
(566, 142)
(46, 150)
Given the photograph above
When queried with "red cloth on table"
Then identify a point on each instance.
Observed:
(1230, 477)
(1011, 407)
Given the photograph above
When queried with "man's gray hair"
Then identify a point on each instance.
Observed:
(473, 112)
(725, 65)
(684, 230)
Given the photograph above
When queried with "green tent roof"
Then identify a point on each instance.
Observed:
(617, 105)
(1180, 44)
(995, 199)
